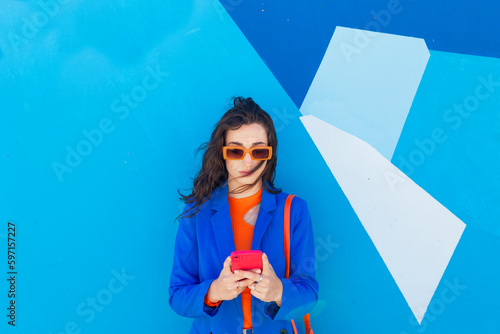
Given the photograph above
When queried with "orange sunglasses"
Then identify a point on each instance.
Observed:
(239, 152)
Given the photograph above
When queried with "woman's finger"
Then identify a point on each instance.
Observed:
(244, 283)
(266, 265)
(247, 274)
(227, 265)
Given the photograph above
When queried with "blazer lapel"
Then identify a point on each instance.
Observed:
(221, 224)
(267, 204)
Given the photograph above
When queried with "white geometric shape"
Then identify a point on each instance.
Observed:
(414, 234)
(366, 83)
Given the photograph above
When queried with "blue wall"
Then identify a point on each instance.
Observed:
(105, 102)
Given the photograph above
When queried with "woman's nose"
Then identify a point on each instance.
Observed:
(247, 159)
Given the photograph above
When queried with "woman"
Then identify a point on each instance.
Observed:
(234, 205)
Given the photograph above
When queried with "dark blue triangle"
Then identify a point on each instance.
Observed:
(292, 36)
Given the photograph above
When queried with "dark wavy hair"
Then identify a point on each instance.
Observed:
(213, 172)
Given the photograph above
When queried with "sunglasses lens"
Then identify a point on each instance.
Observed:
(260, 153)
(234, 153)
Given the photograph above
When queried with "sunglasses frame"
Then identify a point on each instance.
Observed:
(245, 151)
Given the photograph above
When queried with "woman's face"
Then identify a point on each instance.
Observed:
(248, 136)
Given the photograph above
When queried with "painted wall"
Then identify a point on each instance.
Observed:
(392, 105)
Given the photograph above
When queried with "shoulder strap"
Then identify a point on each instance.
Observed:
(288, 205)
(286, 227)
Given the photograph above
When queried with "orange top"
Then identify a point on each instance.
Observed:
(243, 235)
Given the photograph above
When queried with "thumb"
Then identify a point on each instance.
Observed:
(227, 264)
(266, 266)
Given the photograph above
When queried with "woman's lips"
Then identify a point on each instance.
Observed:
(245, 173)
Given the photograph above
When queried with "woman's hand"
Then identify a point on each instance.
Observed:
(228, 285)
(266, 286)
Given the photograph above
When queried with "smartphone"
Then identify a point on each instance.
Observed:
(246, 260)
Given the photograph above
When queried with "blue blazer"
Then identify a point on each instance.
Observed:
(203, 243)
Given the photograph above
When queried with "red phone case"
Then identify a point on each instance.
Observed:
(246, 260)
